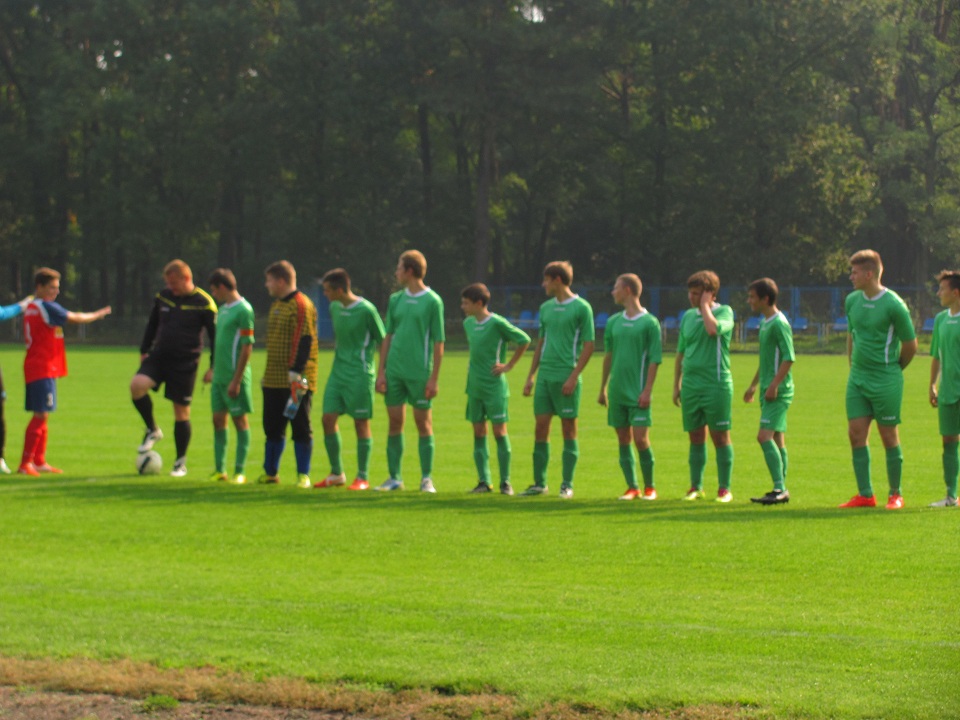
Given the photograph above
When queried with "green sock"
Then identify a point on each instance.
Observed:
(783, 457)
(951, 467)
(571, 453)
(243, 446)
(894, 469)
(861, 469)
(364, 450)
(698, 462)
(629, 466)
(771, 453)
(725, 465)
(541, 458)
(646, 467)
(481, 458)
(332, 443)
(220, 449)
(427, 447)
(395, 455)
(504, 454)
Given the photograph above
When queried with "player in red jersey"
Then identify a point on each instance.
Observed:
(46, 360)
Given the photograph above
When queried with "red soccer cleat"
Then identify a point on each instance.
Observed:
(631, 494)
(860, 501)
(649, 494)
(359, 484)
(895, 502)
(48, 468)
(27, 468)
(331, 480)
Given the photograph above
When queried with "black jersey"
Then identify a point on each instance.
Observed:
(175, 328)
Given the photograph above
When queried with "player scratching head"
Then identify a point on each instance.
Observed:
(557, 278)
(866, 268)
(702, 288)
(474, 301)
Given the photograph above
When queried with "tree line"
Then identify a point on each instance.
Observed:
(654, 136)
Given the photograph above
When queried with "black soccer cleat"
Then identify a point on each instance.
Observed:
(774, 497)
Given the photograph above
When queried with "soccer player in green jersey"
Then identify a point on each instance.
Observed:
(945, 367)
(410, 358)
(487, 391)
(358, 331)
(776, 385)
(564, 347)
(702, 383)
(880, 344)
(633, 356)
(231, 390)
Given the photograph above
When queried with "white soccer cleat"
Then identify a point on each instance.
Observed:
(389, 485)
(4, 468)
(179, 468)
(426, 485)
(149, 438)
(946, 502)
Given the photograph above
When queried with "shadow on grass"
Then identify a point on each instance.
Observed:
(164, 491)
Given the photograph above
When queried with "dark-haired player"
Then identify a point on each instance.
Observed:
(231, 391)
(945, 369)
(358, 332)
(488, 394)
(776, 385)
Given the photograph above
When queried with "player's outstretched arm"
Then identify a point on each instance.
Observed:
(85, 318)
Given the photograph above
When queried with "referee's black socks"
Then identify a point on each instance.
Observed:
(181, 436)
(144, 406)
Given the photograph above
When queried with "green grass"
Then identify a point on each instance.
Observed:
(800, 610)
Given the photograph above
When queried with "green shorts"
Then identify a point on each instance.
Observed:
(949, 415)
(548, 399)
(621, 416)
(878, 400)
(492, 407)
(712, 407)
(401, 391)
(773, 413)
(242, 404)
(342, 397)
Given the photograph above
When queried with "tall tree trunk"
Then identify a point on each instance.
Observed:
(481, 235)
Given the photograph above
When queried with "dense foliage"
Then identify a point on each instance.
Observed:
(657, 136)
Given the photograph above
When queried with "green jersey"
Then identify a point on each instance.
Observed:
(706, 359)
(946, 348)
(776, 347)
(635, 344)
(416, 323)
(564, 328)
(234, 329)
(488, 344)
(877, 326)
(357, 331)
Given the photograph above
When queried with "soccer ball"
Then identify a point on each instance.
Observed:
(149, 463)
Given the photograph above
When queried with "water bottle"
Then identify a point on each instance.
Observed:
(297, 391)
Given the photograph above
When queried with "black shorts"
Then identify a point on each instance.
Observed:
(274, 421)
(178, 375)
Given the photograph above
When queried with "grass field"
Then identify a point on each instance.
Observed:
(801, 610)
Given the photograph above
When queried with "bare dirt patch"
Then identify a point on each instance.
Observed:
(123, 690)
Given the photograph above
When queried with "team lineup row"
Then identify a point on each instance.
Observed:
(410, 339)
